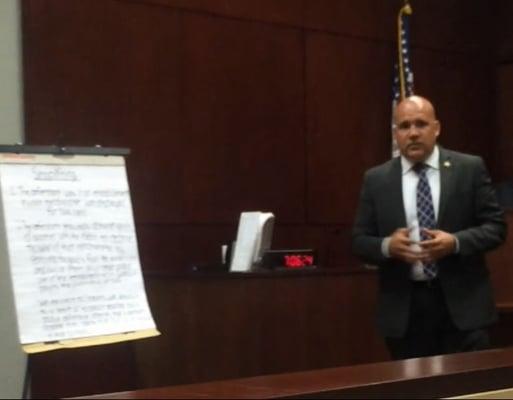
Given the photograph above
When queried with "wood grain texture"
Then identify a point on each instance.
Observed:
(218, 327)
(348, 129)
(503, 141)
(429, 377)
(236, 105)
(288, 12)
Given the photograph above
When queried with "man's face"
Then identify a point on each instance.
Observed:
(415, 129)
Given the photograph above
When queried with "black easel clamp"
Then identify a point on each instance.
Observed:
(65, 150)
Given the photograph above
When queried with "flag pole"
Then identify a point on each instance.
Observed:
(405, 9)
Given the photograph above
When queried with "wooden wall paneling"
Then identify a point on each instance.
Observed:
(108, 73)
(348, 107)
(168, 355)
(461, 89)
(500, 262)
(226, 326)
(364, 19)
(483, 374)
(284, 322)
(179, 248)
(217, 328)
(452, 25)
(233, 105)
(244, 116)
(460, 26)
(210, 328)
(338, 246)
(502, 29)
(298, 236)
(82, 371)
(283, 11)
(132, 65)
(340, 319)
(503, 148)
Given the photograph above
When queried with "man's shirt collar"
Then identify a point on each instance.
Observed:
(433, 161)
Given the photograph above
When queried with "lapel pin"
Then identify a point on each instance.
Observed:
(447, 164)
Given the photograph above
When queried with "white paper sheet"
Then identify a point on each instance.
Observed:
(73, 251)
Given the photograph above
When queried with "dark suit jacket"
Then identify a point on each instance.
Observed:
(468, 209)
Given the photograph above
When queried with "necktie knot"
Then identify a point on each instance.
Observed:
(420, 168)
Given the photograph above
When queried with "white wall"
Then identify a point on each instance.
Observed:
(11, 118)
(12, 359)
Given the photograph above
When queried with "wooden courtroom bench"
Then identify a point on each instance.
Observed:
(430, 377)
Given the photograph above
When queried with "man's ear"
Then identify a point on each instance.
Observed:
(438, 127)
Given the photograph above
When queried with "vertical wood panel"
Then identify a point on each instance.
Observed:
(461, 88)
(102, 72)
(243, 106)
(502, 30)
(501, 261)
(216, 328)
(453, 25)
(348, 86)
(504, 138)
(89, 370)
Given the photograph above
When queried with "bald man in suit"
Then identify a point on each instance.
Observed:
(426, 219)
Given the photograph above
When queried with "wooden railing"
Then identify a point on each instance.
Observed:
(430, 377)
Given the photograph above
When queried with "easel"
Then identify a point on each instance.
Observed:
(21, 155)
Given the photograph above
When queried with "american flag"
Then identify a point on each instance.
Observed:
(403, 75)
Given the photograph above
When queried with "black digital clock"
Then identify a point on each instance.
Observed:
(289, 259)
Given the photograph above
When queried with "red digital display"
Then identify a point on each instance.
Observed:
(297, 260)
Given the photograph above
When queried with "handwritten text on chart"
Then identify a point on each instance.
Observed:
(76, 258)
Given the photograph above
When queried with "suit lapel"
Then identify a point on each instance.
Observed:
(396, 192)
(446, 175)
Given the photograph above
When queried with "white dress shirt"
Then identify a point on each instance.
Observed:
(410, 179)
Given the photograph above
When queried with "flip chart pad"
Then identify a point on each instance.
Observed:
(72, 251)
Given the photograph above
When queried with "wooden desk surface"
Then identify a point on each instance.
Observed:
(430, 377)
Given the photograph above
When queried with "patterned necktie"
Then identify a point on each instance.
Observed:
(425, 212)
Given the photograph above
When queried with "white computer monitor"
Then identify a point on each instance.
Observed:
(254, 237)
